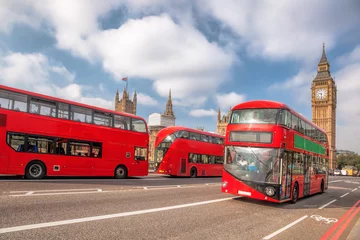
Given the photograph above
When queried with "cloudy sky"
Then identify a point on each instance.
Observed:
(211, 53)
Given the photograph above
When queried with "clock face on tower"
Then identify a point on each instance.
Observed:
(320, 93)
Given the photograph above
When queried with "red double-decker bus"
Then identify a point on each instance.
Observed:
(46, 136)
(181, 151)
(273, 153)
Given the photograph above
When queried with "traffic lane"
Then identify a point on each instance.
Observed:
(96, 206)
(231, 219)
(104, 184)
(329, 218)
(24, 210)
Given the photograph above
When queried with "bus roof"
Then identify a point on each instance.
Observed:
(68, 102)
(273, 104)
(172, 129)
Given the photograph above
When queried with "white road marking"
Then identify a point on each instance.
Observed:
(58, 190)
(324, 206)
(344, 195)
(29, 193)
(284, 228)
(58, 193)
(324, 219)
(354, 190)
(116, 215)
(336, 181)
(96, 190)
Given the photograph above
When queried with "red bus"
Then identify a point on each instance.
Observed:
(181, 151)
(46, 136)
(273, 153)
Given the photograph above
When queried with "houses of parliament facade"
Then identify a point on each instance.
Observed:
(323, 104)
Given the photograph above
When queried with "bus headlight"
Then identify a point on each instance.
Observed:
(270, 191)
(224, 184)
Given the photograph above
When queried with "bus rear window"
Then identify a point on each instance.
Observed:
(138, 125)
(254, 116)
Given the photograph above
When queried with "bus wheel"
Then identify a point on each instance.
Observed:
(35, 170)
(193, 172)
(295, 193)
(322, 189)
(120, 172)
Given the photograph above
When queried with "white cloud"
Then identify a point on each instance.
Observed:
(285, 29)
(169, 54)
(353, 56)
(33, 72)
(297, 85)
(227, 100)
(17, 12)
(156, 47)
(21, 70)
(144, 99)
(202, 113)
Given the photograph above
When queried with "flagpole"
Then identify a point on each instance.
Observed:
(127, 79)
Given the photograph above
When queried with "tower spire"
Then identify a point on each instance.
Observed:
(169, 107)
(323, 59)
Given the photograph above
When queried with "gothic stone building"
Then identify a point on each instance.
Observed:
(323, 102)
(222, 122)
(125, 104)
(156, 123)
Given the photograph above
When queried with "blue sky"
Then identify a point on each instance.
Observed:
(211, 53)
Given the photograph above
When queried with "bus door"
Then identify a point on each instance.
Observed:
(307, 174)
(286, 175)
(183, 166)
(4, 157)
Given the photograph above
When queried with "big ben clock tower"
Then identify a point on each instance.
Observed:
(323, 103)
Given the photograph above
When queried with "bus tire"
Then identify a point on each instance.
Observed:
(193, 172)
(35, 170)
(322, 188)
(120, 172)
(295, 193)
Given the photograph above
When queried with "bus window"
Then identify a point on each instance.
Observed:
(194, 136)
(96, 150)
(102, 118)
(122, 122)
(79, 148)
(40, 144)
(5, 100)
(138, 125)
(140, 153)
(42, 107)
(20, 102)
(204, 159)
(63, 111)
(182, 134)
(16, 141)
(204, 138)
(81, 114)
(61, 146)
(295, 122)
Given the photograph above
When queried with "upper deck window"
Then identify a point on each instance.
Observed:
(81, 114)
(138, 125)
(15, 101)
(248, 116)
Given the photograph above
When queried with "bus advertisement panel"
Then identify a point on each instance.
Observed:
(273, 153)
(181, 151)
(46, 136)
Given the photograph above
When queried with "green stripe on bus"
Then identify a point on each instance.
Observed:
(308, 145)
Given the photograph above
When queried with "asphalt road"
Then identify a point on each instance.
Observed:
(158, 207)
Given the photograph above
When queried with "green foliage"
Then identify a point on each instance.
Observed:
(348, 159)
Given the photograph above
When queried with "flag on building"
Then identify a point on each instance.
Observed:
(124, 79)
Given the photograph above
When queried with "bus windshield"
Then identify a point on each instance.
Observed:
(254, 116)
(253, 164)
(162, 148)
